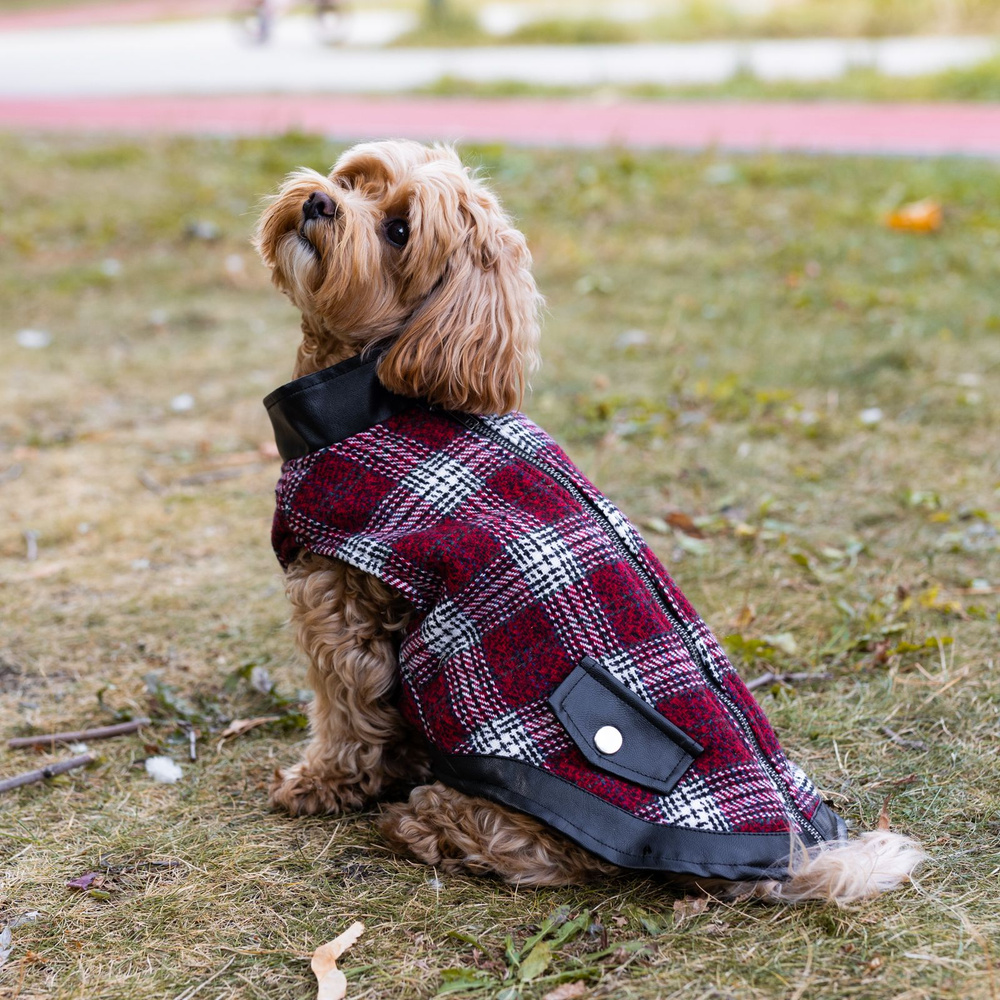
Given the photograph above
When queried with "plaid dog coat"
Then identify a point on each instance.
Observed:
(551, 662)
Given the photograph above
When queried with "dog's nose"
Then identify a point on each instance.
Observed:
(318, 205)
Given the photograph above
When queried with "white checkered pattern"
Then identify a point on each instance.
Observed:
(518, 432)
(505, 736)
(442, 482)
(546, 562)
(368, 554)
(446, 630)
(691, 805)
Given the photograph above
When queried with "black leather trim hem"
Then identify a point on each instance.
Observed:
(617, 836)
(320, 409)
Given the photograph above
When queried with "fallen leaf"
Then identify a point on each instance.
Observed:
(784, 641)
(83, 881)
(745, 617)
(917, 217)
(690, 544)
(688, 907)
(537, 961)
(883, 817)
(240, 726)
(683, 522)
(331, 982)
(567, 991)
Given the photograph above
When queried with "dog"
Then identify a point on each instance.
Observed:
(481, 625)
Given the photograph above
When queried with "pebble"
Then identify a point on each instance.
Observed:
(34, 339)
(631, 338)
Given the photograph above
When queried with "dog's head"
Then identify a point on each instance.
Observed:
(400, 246)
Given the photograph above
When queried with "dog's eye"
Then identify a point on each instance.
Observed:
(397, 232)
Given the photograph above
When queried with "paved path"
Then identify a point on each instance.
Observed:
(881, 129)
(209, 57)
(111, 12)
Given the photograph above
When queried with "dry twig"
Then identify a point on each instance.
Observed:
(31, 777)
(772, 678)
(909, 744)
(80, 736)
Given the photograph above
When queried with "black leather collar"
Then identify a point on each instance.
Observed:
(327, 406)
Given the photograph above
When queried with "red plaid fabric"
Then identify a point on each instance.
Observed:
(514, 578)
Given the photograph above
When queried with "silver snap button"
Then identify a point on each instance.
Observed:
(608, 740)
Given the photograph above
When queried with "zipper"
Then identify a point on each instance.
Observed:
(704, 664)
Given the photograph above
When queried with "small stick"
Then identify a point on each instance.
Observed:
(30, 777)
(102, 733)
(11, 473)
(149, 482)
(800, 678)
(192, 748)
(211, 476)
(909, 744)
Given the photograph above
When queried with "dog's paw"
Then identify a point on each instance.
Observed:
(300, 792)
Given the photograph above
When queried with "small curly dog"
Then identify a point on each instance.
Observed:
(482, 625)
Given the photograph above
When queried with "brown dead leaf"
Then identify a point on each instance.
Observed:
(83, 882)
(567, 991)
(331, 982)
(918, 217)
(683, 522)
(881, 652)
(744, 617)
(240, 726)
(688, 907)
(883, 816)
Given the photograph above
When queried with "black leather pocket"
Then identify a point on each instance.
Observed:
(598, 711)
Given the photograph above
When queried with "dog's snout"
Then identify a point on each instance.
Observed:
(319, 205)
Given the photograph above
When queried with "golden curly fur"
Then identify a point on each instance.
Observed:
(455, 308)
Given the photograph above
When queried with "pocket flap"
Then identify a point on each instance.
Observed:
(618, 732)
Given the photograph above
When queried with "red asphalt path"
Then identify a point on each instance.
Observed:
(87, 14)
(879, 129)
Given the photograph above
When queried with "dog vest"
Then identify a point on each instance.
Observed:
(551, 662)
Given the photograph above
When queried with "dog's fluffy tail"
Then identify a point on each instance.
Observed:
(842, 871)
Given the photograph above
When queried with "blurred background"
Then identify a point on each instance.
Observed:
(933, 49)
(768, 233)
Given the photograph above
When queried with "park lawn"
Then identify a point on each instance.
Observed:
(978, 83)
(734, 347)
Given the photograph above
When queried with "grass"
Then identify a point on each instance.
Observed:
(774, 310)
(698, 20)
(975, 83)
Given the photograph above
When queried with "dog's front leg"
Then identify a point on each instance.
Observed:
(344, 622)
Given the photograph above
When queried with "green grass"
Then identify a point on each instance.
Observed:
(698, 20)
(975, 83)
(774, 309)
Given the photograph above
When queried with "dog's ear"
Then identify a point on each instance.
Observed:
(472, 343)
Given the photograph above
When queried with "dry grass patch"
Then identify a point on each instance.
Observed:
(739, 341)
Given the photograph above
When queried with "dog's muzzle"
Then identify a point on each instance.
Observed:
(319, 205)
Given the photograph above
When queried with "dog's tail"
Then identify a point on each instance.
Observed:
(841, 871)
